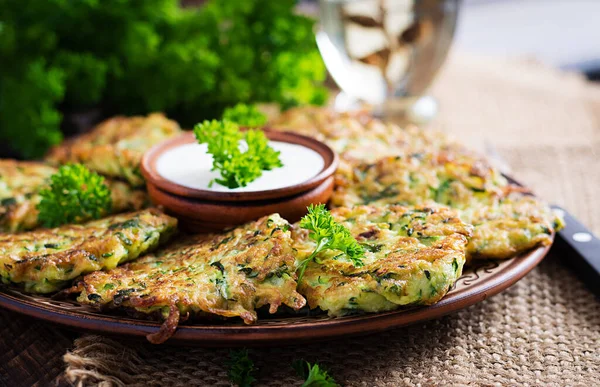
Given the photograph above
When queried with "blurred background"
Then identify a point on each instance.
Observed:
(562, 33)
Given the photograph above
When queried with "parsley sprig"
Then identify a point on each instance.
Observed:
(245, 115)
(314, 375)
(329, 235)
(241, 368)
(241, 371)
(237, 168)
(75, 195)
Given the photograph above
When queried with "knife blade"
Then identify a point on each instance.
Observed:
(579, 246)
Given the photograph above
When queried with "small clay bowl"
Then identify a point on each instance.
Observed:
(206, 211)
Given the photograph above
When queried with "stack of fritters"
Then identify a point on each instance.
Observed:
(114, 148)
(228, 275)
(20, 186)
(419, 166)
(419, 205)
(413, 256)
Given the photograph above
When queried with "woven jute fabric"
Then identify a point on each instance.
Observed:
(545, 330)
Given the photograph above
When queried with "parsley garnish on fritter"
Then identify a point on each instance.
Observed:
(76, 194)
(245, 115)
(241, 368)
(237, 168)
(329, 234)
(314, 375)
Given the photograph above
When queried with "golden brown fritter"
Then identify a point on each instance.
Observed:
(413, 256)
(448, 176)
(21, 182)
(46, 260)
(115, 147)
(229, 275)
(357, 136)
(507, 221)
(512, 225)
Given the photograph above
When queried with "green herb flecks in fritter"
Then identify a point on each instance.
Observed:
(229, 275)
(20, 186)
(448, 177)
(514, 224)
(507, 221)
(413, 255)
(46, 260)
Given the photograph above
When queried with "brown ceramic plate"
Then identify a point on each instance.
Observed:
(478, 282)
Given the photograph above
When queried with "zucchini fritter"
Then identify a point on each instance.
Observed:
(513, 224)
(413, 256)
(228, 275)
(45, 260)
(451, 178)
(357, 136)
(507, 222)
(21, 182)
(115, 147)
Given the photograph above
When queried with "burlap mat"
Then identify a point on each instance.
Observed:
(545, 330)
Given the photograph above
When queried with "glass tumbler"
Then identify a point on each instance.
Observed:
(387, 52)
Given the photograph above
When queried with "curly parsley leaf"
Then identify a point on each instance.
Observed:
(259, 149)
(237, 168)
(75, 195)
(329, 235)
(245, 115)
(314, 375)
(241, 368)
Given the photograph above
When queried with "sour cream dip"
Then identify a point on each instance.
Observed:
(189, 165)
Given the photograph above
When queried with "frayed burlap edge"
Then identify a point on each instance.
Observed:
(99, 361)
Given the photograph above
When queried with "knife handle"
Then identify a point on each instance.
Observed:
(581, 250)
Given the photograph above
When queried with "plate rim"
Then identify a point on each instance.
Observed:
(278, 334)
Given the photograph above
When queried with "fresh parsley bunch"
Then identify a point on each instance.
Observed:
(245, 115)
(329, 234)
(75, 195)
(135, 57)
(237, 168)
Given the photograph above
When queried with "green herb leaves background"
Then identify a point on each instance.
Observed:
(134, 57)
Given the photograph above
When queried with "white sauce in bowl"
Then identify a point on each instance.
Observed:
(189, 165)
